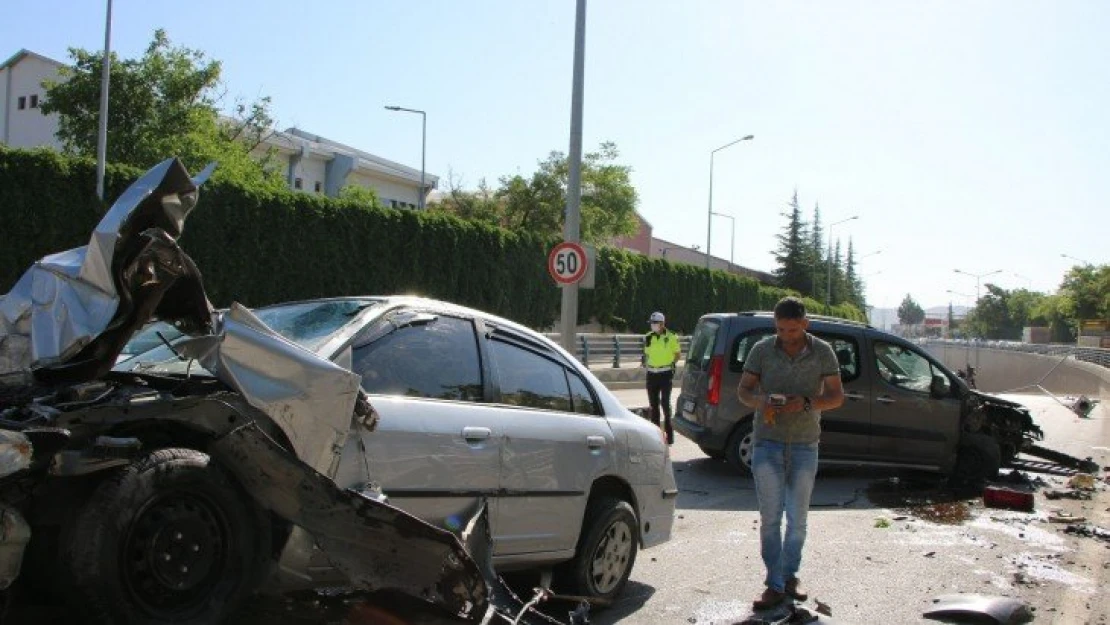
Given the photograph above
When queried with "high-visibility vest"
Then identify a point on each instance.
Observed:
(661, 349)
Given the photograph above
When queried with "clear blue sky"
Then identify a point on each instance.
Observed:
(971, 135)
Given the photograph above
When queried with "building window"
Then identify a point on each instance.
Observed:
(22, 102)
(318, 186)
(35, 101)
(298, 183)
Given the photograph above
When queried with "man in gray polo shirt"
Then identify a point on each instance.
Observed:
(789, 378)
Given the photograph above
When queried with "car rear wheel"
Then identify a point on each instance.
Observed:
(606, 551)
(738, 452)
(978, 459)
(168, 539)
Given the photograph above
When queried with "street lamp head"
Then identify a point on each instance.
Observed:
(393, 108)
(748, 138)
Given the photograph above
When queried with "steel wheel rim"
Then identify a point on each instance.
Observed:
(612, 557)
(744, 450)
(175, 552)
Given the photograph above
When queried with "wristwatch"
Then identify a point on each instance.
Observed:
(807, 404)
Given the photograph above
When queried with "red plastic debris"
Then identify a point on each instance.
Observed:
(1008, 498)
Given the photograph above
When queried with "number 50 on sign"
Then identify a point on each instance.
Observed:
(567, 263)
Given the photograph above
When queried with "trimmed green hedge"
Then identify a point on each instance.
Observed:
(258, 248)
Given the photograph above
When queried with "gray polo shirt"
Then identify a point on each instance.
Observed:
(800, 375)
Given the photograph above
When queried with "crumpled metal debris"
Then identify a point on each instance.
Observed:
(1004, 610)
(15, 452)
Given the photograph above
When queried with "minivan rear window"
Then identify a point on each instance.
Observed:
(742, 346)
(702, 344)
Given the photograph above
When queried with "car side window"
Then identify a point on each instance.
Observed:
(902, 367)
(742, 345)
(847, 355)
(702, 344)
(528, 379)
(436, 359)
(583, 401)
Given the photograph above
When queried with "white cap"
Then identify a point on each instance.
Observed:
(657, 317)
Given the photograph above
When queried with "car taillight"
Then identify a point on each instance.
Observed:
(713, 393)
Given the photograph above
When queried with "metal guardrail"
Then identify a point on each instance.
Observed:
(612, 350)
(1095, 355)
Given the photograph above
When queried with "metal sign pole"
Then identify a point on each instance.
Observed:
(569, 312)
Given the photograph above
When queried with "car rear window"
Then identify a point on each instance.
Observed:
(702, 344)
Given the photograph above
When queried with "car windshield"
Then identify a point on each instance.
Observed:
(308, 324)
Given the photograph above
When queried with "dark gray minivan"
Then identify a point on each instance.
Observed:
(902, 407)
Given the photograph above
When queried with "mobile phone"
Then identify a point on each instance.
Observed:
(776, 399)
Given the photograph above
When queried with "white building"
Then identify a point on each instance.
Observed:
(310, 163)
(22, 123)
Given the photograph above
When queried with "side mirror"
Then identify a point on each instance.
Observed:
(938, 388)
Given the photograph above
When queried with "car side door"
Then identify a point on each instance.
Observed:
(912, 422)
(437, 445)
(556, 443)
(846, 431)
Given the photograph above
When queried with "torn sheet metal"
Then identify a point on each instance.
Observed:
(66, 299)
(310, 398)
(15, 452)
(14, 535)
(375, 545)
(1004, 610)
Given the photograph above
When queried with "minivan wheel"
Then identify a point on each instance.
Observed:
(978, 459)
(170, 538)
(738, 452)
(606, 550)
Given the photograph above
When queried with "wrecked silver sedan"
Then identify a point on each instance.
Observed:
(169, 490)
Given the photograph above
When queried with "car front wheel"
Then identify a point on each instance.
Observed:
(168, 539)
(979, 458)
(606, 550)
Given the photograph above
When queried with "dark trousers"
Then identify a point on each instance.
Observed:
(659, 393)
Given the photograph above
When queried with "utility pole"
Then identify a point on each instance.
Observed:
(569, 309)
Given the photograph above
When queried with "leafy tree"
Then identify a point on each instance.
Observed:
(363, 196)
(951, 319)
(160, 105)
(1088, 287)
(992, 315)
(794, 271)
(481, 205)
(910, 312)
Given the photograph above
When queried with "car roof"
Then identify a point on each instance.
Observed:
(769, 316)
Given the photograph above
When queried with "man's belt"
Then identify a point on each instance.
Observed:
(660, 369)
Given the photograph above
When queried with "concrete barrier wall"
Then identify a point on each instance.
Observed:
(1002, 370)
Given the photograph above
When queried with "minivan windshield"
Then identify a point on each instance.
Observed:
(308, 324)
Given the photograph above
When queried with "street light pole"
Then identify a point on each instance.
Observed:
(978, 277)
(709, 217)
(423, 146)
(102, 130)
(732, 238)
(828, 290)
(1079, 260)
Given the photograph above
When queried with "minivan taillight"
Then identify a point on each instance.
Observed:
(713, 392)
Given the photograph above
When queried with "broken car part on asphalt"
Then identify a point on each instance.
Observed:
(178, 459)
(1003, 610)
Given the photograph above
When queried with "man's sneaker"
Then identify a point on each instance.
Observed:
(770, 598)
(794, 589)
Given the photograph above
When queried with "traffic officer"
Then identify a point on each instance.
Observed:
(661, 352)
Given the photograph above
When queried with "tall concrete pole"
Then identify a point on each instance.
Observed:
(102, 133)
(569, 311)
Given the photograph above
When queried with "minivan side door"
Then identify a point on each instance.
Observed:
(846, 431)
(556, 443)
(437, 446)
(909, 426)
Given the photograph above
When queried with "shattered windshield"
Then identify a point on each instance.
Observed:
(308, 324)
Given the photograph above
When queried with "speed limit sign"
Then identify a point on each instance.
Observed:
(567, 262)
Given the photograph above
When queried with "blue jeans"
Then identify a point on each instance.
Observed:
(784, 476)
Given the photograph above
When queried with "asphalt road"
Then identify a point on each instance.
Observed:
(710, 570)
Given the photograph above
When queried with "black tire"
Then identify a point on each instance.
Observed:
(978, 459)
(716, 454)
(606, 551)
(738, 452)
(168, 539)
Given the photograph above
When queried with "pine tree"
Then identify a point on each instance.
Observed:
(792, 271)
(815, 254)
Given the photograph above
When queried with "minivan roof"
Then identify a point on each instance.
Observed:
(770, 314)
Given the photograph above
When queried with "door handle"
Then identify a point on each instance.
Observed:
(885, 399)
(595, 442)
(854, 396)
(474, 434)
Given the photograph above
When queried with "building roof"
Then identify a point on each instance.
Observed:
(293, 138)
(23, 53)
